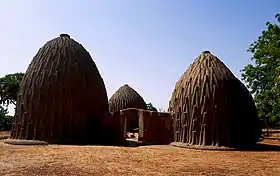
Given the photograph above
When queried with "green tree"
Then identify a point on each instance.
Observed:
(150, 107)
(9, 86)
(263, 77)
(5, 120)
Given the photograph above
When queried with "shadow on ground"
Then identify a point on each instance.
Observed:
(263, 148)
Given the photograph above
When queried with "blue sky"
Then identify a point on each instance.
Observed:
(147, 44)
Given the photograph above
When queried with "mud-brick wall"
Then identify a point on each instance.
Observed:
(129, 116)
(155, 127)
(113, 128)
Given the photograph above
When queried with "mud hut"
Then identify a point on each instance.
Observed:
(62, 96)
(211, 108)
(126, 97)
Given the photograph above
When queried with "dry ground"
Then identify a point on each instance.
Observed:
(4, 134)
(146, 160)
(273, 133)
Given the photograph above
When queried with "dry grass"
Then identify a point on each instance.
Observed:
(145, 160)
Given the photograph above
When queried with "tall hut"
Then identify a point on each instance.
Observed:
(126, 97)
(62, 96)
(211, 108)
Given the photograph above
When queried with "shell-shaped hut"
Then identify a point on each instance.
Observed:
(62, 96)
(211, 108)
(126, 97)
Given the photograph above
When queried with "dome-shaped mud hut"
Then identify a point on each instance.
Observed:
(126, 97)
(62, 96)
(211, 108)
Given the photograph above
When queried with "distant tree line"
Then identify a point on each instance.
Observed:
(150, 107)
(9, 85)
(5, 119)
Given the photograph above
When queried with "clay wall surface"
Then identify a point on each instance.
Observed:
(113, 128)
(154, 127)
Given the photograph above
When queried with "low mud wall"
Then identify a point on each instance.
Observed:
(113, 128)
(155, 127)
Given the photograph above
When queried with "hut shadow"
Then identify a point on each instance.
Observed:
(268, 147)
(262, 148)
(259, 147)
(96, 143)
(61, 143)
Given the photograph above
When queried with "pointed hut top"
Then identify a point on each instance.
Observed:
(206, 52)
(126, 97)
(65, 35)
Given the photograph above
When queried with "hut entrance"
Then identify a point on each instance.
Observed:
(131, 124)
(146, 127)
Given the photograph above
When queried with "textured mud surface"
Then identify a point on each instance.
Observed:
(210, 106)
(126, 97)
(48, 107)
(144, 160)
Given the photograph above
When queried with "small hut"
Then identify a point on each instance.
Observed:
(126, 97)
(62, 96)
(211, 108)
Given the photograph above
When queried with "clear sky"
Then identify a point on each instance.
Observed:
(147, 44)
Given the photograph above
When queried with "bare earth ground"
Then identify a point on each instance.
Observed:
(145, 160)
(274, 133)
(4, 134)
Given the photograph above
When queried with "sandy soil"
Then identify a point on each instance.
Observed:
(146, 160)
(4, 134)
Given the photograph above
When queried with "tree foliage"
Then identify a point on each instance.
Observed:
(150, 107)
(5, 120)
(263, 78)
(161, 110)
(9, 86)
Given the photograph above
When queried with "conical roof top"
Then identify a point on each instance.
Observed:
(126, 97)
(218, 109)
(207, 65)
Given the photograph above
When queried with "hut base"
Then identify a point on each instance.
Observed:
(133, 143)
(201, 147)
(4, 137)
(24, 142)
